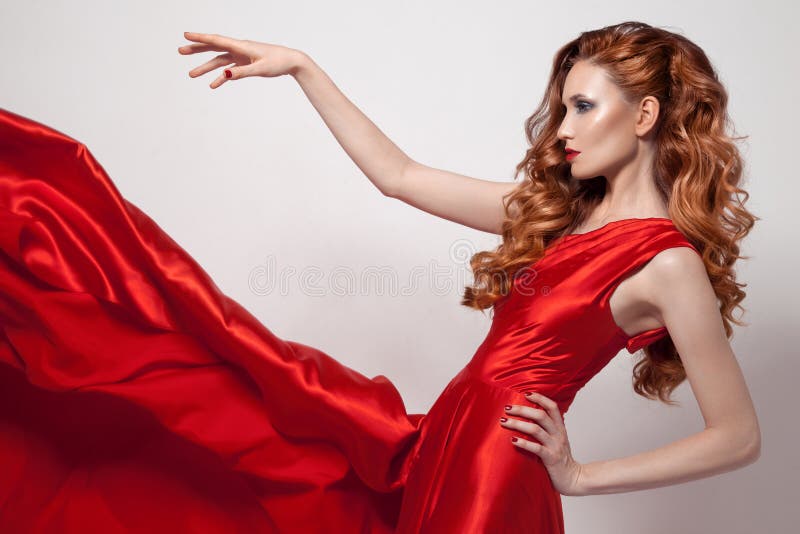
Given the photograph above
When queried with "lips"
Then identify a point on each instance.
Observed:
(571, 154)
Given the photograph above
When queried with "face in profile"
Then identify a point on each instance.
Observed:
(599, 124)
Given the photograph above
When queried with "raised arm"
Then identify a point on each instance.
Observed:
(455, 197)
(469, 201)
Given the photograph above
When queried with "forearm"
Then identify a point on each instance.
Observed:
(372, 151)
(707, 453)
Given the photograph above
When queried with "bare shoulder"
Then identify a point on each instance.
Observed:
(676, 278)
(676, 263)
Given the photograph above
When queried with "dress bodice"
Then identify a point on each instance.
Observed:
(554, 330)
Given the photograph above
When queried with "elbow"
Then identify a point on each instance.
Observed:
(394, 188)
(389, 191)
(741, 447)
(754, 450)
(749, 452)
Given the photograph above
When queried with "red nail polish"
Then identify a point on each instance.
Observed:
(514, 439)
(508, 407)
(228, 73)
(503, 419)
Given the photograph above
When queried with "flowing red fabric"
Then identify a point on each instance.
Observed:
(136, 397)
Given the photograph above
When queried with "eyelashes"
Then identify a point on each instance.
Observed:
(582, 106)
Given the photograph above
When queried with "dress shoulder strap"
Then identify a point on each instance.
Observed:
(639, 249)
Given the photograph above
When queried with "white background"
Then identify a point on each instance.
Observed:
(248, 174)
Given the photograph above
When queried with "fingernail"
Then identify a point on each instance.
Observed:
(503, 419)
(228, 73)
(514, 439)
(508, 408)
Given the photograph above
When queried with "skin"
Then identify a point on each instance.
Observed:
(615, 139)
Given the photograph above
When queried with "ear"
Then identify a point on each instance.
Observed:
(647, 115)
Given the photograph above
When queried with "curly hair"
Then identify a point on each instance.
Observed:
(697, 170)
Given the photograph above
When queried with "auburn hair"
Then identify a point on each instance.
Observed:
(697, 170)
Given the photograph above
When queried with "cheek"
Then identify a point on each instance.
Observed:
(608, 139)
(595, 144)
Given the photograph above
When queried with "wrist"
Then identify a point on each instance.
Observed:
(302, 63)
(584, 484)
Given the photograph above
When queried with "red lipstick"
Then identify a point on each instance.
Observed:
(571, 154)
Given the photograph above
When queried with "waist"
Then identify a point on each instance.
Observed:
(514, 390)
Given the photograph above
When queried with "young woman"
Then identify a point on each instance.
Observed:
(138, 396)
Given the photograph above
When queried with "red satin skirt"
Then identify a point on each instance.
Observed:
(136, 397)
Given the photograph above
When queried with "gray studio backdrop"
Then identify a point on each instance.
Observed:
(248, 179)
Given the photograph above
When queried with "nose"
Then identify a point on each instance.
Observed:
(564, 130)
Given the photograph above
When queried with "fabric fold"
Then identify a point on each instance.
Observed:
(95, 298)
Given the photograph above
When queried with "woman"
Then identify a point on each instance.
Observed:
(154, 402)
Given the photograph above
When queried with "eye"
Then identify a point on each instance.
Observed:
(583, 106)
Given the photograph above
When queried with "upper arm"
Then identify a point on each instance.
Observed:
(455, 197)
(682, 294)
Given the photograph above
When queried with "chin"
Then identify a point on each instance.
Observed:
(582, 176)
(581, 173)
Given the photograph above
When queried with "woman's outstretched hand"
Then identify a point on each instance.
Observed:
(552, 445)
(251, 58)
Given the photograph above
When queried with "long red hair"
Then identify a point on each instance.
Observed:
(697, 169)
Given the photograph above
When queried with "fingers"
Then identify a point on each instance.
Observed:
(200, 37)
(532, 446)
(240, 71)
(232, 73)
(194, 48)
(219, 61)
(531, 429)
(542, 421)
(549, 405)
(219, 81)
(548, 418)
(216, 42)
(208, 42)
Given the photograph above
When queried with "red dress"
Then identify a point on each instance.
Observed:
(136, 397)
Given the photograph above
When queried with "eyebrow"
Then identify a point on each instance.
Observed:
(576, 96)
